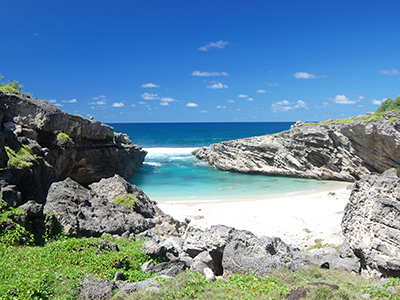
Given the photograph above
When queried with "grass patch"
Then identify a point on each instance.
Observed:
(21, 157)
(127, 200)
(63, 136)
(276, 285)
(55, 270)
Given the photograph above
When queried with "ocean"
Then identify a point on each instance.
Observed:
(171, 173)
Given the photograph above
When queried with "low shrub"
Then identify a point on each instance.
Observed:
(63, 136)
(127, 200)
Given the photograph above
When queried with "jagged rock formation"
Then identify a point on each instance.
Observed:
(92, 211)
(62, 146)
(371, 224)
(224, 250)
(345, 151)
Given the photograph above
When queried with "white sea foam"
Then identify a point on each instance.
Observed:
(154, 164)
(161, 151)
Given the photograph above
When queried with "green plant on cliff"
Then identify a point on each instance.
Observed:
(127, 200)
(389, 105)
(21, 157)
(11, 87)
(63, 136)
(12, 233)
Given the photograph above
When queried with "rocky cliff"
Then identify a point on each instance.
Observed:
(371, 224)
(339, 151)
(57, 145)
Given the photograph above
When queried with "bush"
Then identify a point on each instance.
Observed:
(21, 157)
(12, 233)
(11, 87)
(127, 200)
(63, 136)
(389, 105)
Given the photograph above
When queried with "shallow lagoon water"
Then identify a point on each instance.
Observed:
(171, 173)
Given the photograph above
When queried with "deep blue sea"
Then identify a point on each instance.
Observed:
(171, 173)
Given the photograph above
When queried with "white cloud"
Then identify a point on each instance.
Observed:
(191, 104)
(304, 75)
(204, 111)
(271, 84)
(250, 99)
(133, 105)
(118, 104)
(99, 97)
(219, 106)
(149, 96)
(389, 72)
(164, 103)
(377, 102)
(100, 102)
(243, 96)
(52, 101)
(150, 85)
(168, 99)
(261, 91)
(230, 101)
(220, 45)
(284, 105)
(342, 99)
(70, 101)
(208, 74)
(218, 85)
(142, 103)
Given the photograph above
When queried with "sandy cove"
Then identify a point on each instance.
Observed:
(299, 220)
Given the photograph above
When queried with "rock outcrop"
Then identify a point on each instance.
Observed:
(371, 224)
(223, 250)
(91, 212)
(60, 145)
(344, 151)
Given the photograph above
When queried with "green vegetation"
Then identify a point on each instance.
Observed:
(389, 106)
(54, 270)
(63, 136)
(276, 285)
(127, 200)
(21, 157)
(12, 233)
(11, 87)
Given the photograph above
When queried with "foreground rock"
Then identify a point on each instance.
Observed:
(345, 151)
(223, 250)
(60, 145)
(91, 212)
(371, 224)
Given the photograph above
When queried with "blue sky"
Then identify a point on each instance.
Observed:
(204, 61)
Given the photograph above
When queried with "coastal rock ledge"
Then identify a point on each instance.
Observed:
(41, 144)
(337, 151)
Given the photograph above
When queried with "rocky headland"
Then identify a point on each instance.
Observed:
(339, 151)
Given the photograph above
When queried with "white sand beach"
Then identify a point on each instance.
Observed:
(298, 220)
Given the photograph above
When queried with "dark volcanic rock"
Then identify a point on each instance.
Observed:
(92, 151)
(83, 212)
(345, 151)
(371, 224)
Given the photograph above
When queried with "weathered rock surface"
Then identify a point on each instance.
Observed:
(371, 224)
(91, 153)
(223, 250)
(91, 212)
(345, 151)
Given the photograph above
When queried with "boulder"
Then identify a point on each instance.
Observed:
(83, 212)
(371, 224)
(94, 288)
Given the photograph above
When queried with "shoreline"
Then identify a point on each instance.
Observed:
(301, 220)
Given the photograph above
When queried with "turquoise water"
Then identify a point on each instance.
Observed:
(171, 173)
